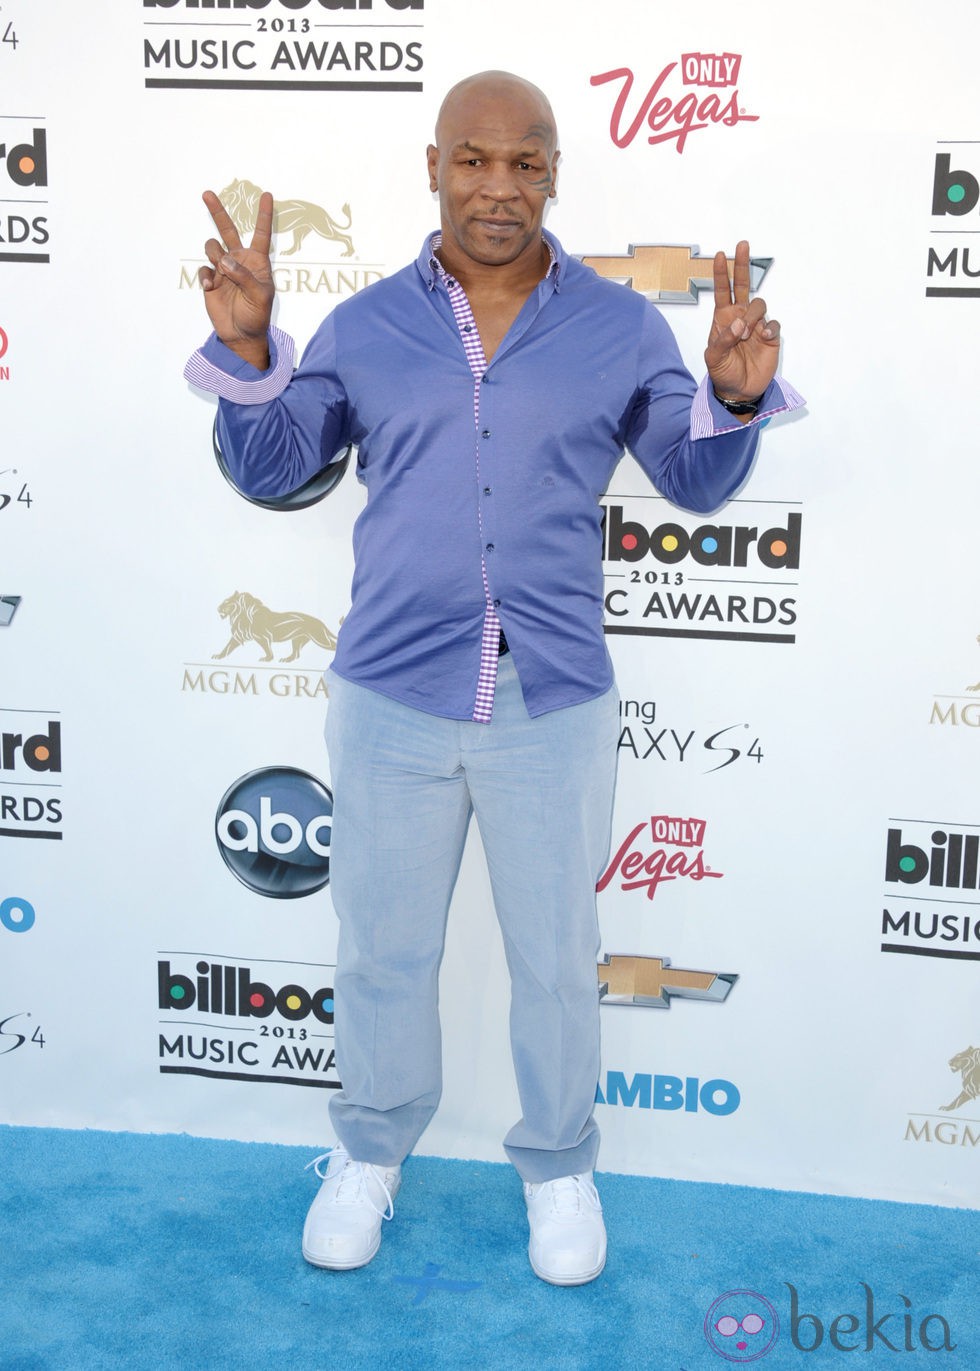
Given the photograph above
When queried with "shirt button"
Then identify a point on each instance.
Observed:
(467, 328)
(496, 604)
(485, 433)
(489, 547)
(486, 490)
(484, 378)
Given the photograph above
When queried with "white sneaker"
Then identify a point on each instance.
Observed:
(343, 1228)
(568, 1237)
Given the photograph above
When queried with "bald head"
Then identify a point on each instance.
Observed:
(495, 90)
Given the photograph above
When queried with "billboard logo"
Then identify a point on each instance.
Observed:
(30, 770)
(27, 163)
(953, 192)
(374, 50)
(937, 872)
(950, 864)
(39, 752)
(230, 990)
(260, 1021)
(655, 573)
(23, 173)
(955, 195)
(273, 832)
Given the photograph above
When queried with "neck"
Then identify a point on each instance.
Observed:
(518, 277)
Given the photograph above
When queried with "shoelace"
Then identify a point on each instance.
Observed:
(352, 1179)
(568, 1194)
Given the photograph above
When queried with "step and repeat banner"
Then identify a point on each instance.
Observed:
(790, 915)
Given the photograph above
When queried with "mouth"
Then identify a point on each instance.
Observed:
(498, 228)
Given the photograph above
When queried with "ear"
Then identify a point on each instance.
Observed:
(432, 162)
(554, 175)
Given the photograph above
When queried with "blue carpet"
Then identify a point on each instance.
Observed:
(121, 1250)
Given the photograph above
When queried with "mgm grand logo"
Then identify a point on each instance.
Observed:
(293, 223)
(252, 622)
(958, 709)
(962, 1132)
(670, 274)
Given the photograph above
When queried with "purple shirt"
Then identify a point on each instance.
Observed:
(587, 369)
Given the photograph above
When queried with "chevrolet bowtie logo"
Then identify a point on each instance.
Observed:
(651, 981)
(670, 274)
(8, 608)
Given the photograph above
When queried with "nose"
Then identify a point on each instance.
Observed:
(498, 183)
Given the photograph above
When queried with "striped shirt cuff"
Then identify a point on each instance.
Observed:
(207, 375)
(706, 412)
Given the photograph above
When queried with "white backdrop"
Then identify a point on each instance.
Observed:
(837, 1033)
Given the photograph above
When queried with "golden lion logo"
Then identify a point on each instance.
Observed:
(298, 217)
(250, 619)
(967, 1063)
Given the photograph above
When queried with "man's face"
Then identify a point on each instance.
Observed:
(494, 169)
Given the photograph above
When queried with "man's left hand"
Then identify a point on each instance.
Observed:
(743, 346)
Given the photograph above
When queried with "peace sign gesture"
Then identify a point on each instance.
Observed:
(238, 285)
(743, 346)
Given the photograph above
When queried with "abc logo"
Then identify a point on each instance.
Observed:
(314, 489)
(953, 192)
(273, 832)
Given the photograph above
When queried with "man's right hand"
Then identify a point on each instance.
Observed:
(238, 285)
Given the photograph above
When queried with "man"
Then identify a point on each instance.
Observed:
(490, 387)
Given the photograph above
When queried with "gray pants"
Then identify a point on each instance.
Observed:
(405, 784)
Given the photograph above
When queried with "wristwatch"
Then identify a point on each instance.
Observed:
(739, 407)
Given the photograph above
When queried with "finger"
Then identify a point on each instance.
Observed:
(722, 340)
(254, 291)
(741, 273)
(206, 277)
(723, 292)
(214, 251)
(262, 237)
(755, 313)
(222, 220)
(770, 329)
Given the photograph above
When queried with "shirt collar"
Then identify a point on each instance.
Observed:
(432, 269)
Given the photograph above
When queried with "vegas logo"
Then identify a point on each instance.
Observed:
(670, 115)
